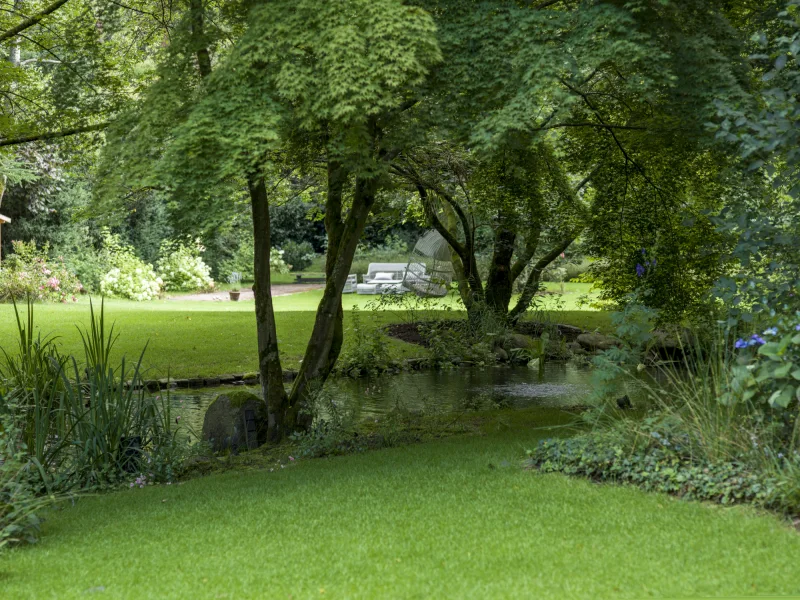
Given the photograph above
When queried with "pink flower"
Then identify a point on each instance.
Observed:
(53, 283)
(291, 458)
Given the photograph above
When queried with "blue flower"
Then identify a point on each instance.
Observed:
(797, 327)
(740, 343)
(771, 331)
(757, 339)
(640, 270)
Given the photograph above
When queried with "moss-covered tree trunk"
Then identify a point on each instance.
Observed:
(281, 419)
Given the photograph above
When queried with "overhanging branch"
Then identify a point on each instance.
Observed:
(31, 21)
(52, 135)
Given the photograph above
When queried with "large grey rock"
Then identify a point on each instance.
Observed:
(515, 341)
(597, 341)
(225, 426)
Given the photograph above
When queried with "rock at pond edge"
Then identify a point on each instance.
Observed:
(224, 422)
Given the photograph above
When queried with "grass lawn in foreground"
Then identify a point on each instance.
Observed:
(456, 518)
(202, 339)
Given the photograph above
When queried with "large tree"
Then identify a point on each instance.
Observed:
(322, 90)
(622, 93)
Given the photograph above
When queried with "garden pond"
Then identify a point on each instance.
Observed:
(559, 385)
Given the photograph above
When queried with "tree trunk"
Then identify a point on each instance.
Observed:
(326, 338)
(534, 277)
(281, 420)
(498, 281)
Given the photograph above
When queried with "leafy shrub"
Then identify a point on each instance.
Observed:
(181, 267)
(299, 256)
(19, 505)
(767, 371)
(659, 465)
(29, 272)
(89, 265)
(368, 351)
(242, 260)
(129, 276)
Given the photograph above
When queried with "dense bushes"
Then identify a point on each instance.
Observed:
(30, 273)
(242, 260)
(721, 424)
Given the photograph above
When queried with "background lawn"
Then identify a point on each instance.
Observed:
(202, 339)
(457, 518)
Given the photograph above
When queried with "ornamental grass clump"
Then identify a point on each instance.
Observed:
(20, 506)
(90, 423)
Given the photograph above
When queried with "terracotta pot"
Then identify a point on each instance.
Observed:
(234, 296)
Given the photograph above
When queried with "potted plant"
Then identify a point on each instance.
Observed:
(234, 279)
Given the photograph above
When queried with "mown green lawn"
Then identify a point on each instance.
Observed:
(456, 518)
(202, 339)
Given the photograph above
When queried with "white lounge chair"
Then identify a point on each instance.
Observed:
(383, 278)
(350, 284)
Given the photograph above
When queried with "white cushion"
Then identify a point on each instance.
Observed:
(383, 277)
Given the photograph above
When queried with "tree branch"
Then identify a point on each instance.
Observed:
(31, 21)
(52, 135)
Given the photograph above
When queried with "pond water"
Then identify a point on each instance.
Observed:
(561, 384)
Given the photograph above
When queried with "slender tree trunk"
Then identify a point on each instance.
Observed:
(14, 53)
(269, 361)
(334, 227)
(534, 279)
(325, 341)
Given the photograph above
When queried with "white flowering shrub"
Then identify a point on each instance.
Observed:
(129, 277)
(276, 262)
(181, 268)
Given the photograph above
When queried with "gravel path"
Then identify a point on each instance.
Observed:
(247, 294)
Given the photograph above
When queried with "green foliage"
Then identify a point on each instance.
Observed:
(299, 256)
(20, 507)
(767, 372)
(180, 267)
(30, 273)
(242, 260)
(368, 352)
(129, 276)
(658, 466)
(89, 424)
(765, 223)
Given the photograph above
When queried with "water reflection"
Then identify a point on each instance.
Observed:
(562, 384)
